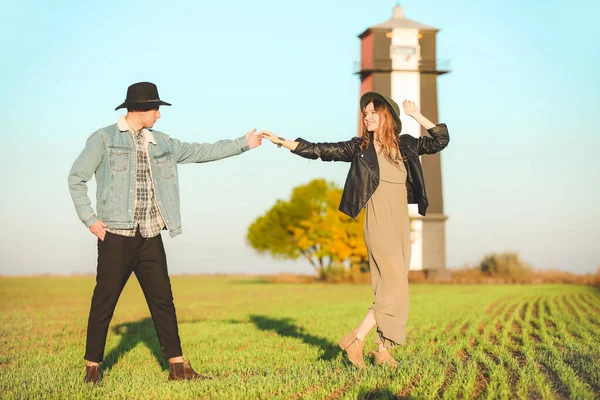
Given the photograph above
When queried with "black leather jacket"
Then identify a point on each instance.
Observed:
(363, 177)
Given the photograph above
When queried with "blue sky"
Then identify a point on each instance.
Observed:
(521, 172)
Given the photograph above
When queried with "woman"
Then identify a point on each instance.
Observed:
(385, 176)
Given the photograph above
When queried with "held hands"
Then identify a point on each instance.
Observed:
(271, 136)
(98, 228)
(410, 108)
(255, 139)
(279, 141)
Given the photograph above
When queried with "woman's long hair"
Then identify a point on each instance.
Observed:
(388, 132)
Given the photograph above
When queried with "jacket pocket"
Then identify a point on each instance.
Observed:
(119, 158)
(164, 165)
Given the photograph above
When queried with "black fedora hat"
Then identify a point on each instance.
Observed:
(368, 97)
(142, 96)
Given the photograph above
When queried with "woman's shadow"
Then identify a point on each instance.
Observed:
(286, 327)
(132, 333)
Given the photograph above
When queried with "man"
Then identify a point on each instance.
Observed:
(137, 197)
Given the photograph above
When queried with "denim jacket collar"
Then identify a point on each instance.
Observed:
(124, 127)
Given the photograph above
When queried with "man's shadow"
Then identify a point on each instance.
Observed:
(286, 327)
(132, 333)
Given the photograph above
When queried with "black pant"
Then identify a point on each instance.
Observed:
(118, 257)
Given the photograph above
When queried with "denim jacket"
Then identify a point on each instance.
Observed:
(110, 154)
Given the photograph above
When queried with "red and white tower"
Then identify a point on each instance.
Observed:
(398, 59)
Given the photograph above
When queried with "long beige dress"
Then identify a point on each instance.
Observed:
(387, 236)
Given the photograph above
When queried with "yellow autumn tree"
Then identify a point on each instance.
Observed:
(309, 225)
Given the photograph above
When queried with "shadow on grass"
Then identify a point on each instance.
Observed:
(131, 334)
(286, 327)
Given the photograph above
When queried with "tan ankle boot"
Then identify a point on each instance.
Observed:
(353, 348)
(385, 358)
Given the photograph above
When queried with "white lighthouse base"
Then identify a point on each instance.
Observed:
(428, 242)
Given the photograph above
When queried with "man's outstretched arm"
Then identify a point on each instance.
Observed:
(205, 152)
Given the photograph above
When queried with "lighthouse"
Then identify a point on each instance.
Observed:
(398, 59)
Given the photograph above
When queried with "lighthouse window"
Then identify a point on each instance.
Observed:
(403, 50)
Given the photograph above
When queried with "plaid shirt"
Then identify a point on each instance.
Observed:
(146, 214)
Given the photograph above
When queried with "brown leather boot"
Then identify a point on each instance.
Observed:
(92, 374)
(184, 370)
(353, 348)
(385, 358)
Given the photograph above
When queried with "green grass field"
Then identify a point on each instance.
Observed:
(263, 340)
